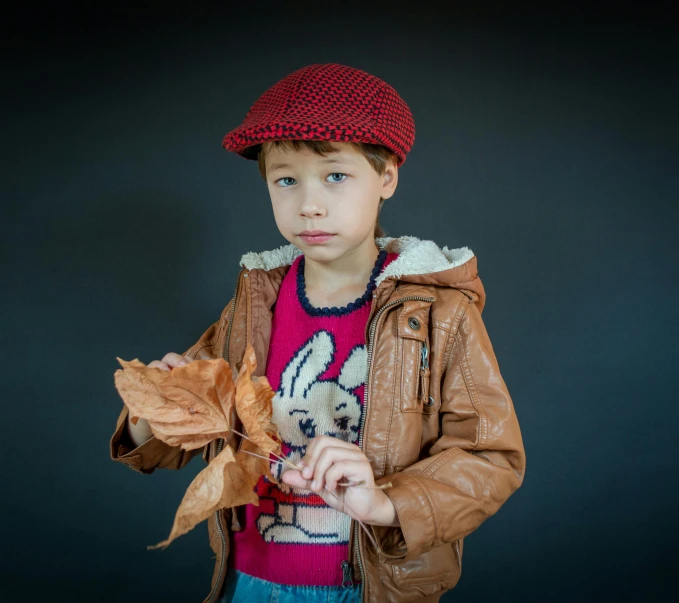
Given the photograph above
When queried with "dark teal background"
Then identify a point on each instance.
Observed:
(546, 142)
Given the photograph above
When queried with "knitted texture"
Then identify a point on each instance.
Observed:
(327, 102)
(311, 311)
(316, 365)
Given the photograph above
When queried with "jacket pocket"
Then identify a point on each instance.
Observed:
(414, 369)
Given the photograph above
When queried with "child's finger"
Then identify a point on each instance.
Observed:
(173, 359)
(158, 364)
(316, 448)
(329, 456)
(294, 478)
(347, 470)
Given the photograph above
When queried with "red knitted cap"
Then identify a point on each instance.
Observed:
(327, 102)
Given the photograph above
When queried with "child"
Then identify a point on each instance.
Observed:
(381, 364)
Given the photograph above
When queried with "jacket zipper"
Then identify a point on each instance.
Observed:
(373, 327)
(347, 580)
(220, 443)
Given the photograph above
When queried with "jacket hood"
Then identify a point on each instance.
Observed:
(420, 261)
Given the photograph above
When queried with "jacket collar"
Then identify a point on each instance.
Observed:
(419, 261)
(416, 257)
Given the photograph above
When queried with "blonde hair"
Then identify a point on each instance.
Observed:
(378, 157)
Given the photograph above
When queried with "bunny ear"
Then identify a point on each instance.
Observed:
(353, 370)
(312, 360)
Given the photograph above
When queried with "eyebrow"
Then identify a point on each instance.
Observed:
(278, 166)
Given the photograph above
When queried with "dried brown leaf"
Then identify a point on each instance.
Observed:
(254, 406)
(188, 406)
(236, 476)
(223, 483)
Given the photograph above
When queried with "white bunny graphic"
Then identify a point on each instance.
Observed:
(304, 408)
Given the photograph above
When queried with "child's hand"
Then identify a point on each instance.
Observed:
(170, 361)
(330, 460)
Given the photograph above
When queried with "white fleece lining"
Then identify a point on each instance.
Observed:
(416, 256)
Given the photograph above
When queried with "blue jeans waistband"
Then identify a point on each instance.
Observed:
(242, 588)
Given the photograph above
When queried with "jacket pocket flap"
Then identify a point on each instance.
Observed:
(413, 320)
(439, 564)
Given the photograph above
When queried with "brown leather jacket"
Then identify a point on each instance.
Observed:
(438, 421)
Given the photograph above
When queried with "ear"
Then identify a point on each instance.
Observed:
(310, 361)
(353, 369)
(389, 180)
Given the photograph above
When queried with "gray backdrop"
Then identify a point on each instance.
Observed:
(546, 142)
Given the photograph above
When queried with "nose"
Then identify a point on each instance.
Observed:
(311, 206)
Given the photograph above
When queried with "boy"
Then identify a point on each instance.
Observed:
(381, 364)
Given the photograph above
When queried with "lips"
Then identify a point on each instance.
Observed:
(315, 236)
(314, 233)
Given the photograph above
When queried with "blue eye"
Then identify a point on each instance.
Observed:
(341, 178)
(284, 178)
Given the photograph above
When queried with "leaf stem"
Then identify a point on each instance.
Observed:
(282, 458)
(367, 531)
(361, 484)
(282, 461)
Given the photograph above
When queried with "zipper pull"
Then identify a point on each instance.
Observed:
(425, 356)
(347, 581)
(424, 375)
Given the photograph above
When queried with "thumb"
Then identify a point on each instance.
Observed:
(293, 477)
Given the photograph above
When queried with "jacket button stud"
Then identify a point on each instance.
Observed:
(429, 402)
(414, 323)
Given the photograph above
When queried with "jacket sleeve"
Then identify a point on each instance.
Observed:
(477, 462)
(154, 453)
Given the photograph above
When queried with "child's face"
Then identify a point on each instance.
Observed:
(338, 194)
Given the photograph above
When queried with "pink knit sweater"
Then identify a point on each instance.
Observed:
(316, 365)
